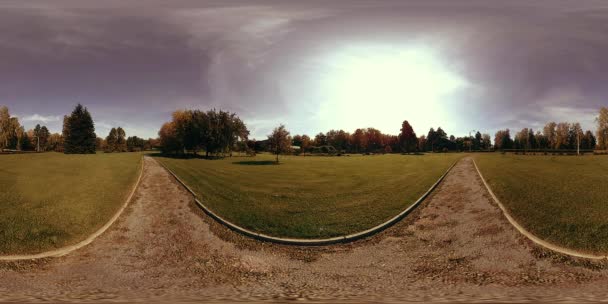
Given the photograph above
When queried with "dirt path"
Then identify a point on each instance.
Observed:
(457, 246)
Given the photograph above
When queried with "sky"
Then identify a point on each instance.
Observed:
(311, 65)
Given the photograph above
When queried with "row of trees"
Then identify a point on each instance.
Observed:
(14, 137)
(602, 129)
(212, 131)
(561, 135)
(78, 136)
(12, 134)
(371, 140)
(222, 132)
(557, 136)
(116, 141)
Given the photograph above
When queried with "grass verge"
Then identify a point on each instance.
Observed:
(561, 199)
(310, 197)
(51, 200)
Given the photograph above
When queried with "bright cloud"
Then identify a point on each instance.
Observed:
(40, 118)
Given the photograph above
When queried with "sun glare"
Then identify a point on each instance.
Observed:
(377, 86)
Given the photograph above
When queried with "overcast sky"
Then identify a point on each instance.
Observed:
(313, 66)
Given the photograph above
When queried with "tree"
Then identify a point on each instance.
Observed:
(111, 140)
(297, 140)
(306, 142)
(279, 141)
(422, 143)
(486, 141)
(550, 134)
(562, 138)
(121, 141)
(65, 131)
(502, 139)
(13, 141)
(375, 143)
(80, 136)
(168, 139)
(431, 139)
(214, 131)
(9, 129)
(576, 134)
(602, 129)
(359, 141)
(135, 143)
(190, 127)
(5, 124)
(588, 141)
(320, 139)
(407, 137)
(41, 137)
(437, 140)
(44, 138)
(100, 144)
(541, 140)
(55, 142)
(532, 144)
(37, 137)
(477, 141)
(339, 139)
(25, 142)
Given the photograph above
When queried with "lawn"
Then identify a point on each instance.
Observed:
(312, 196)
(51, 200)
(561, 199)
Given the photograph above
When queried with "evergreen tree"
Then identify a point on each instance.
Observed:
(431, 140)
(44, 138)
(26, 143)
(80, 133)
(477, 141)
(407, 138)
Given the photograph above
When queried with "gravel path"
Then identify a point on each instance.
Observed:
(456, 246)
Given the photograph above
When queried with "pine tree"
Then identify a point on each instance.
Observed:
(26, 143)
(407, 138)
(80, 132)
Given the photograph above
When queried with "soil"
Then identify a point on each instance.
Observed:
(457, 246)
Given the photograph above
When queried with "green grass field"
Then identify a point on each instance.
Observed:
(312, 196)
(561, 199)
(51, 200)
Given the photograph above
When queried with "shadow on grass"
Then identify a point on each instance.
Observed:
(255, 162)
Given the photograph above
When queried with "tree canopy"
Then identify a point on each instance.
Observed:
(279, 141)
(79, 132)
(193, 130)
(407, 138)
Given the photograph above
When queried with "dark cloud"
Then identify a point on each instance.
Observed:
(134, 62)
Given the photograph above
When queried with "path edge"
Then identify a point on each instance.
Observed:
(311, 242)
(70, 248)
(529, 235)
